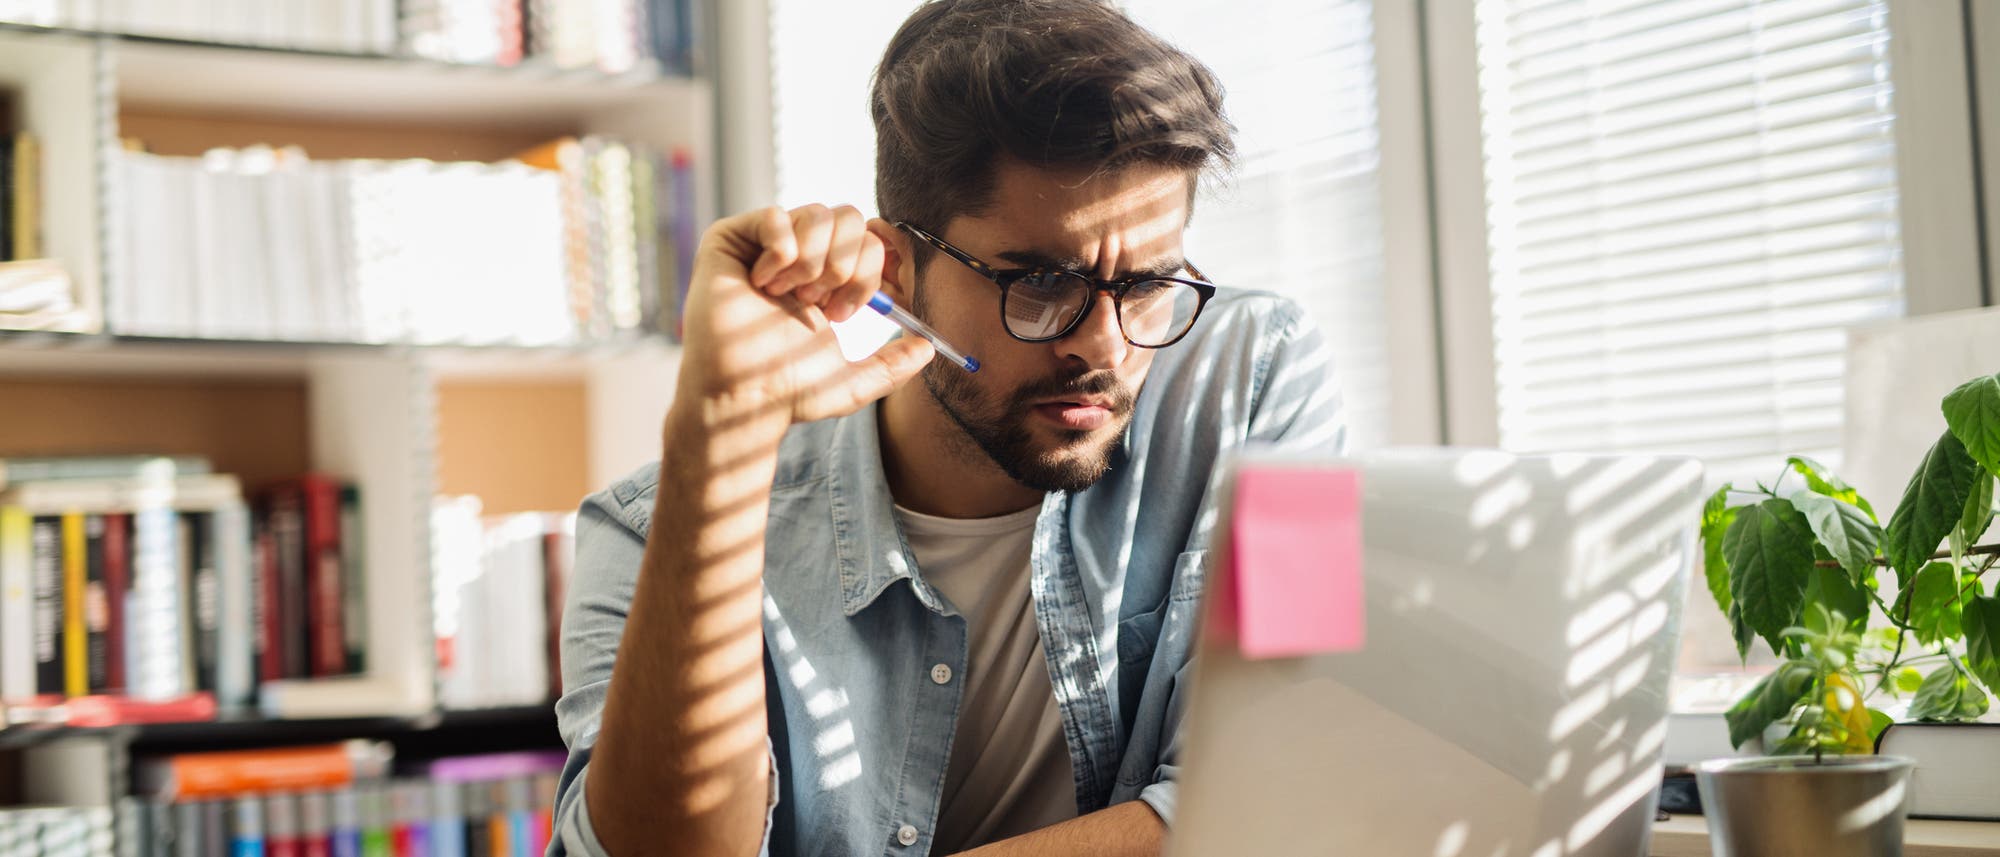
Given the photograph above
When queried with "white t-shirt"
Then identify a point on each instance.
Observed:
(1010, 770)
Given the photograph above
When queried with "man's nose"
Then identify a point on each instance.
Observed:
(1098, 342)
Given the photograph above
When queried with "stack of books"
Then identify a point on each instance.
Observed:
(579, 242)
(336, 799)
(147, 588)
(613, 36)
(346, 26)
(497, 593)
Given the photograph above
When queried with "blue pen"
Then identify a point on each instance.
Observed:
(888, 308)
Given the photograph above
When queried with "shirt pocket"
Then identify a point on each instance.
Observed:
(1139, 635)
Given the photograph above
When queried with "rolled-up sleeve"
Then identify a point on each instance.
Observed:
(610, 545)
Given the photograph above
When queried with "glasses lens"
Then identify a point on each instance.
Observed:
(1156, 312)
(1041, 306)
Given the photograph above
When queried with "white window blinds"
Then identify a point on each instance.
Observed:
(1688, 200)
(1302, 215)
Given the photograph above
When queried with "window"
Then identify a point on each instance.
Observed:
(1687, 203)
(1302, 213)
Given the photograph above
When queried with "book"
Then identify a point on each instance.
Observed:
(75, 635)
(17, 607)
(95, 607)
(227, 774)
(117, 587)
(1958, 767)
(353, 581)
(286, 512)
(203, 616)
(46, 541)
(27, 198)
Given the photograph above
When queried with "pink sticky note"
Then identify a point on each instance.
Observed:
(1293, 575)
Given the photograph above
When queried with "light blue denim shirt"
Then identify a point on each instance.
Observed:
(860, 723)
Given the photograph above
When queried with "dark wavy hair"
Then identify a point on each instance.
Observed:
(1050, 83)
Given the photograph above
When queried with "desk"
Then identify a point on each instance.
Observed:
(1687, 836)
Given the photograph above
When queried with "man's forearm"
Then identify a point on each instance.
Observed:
(680, 758)
(1129, 829)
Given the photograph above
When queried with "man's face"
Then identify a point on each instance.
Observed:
(1050, 413)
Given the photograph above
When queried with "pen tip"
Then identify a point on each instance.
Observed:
(971, 364)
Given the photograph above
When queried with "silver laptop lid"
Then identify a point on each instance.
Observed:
(1522, 618)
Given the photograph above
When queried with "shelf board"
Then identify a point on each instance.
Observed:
(66, 354)
(177, 74)
(161, 74)
(251, 730)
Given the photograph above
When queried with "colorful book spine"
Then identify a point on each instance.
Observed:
(246, 833)
(47, 546)
(95, 607)
(315, 824)
(345, 832)
(353, 581)
(117, 588)
(17, 606)
(281, 825)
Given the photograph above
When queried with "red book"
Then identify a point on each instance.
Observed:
(269, 621)
(117, 582)
(97, 711)
(326, 643)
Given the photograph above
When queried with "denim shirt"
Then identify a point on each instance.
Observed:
(861, 717)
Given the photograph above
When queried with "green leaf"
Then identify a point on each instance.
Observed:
(1937, 600)
(1833, 589)
(1931, 507)
(1769, 548)
(1908, 680)
(1973, 413)
(1741, 631)
(1768, 702)
(1843, 529)
(1877, 721)
(1820, 481)
(1982, 638)
(1716, 516)
(1978, 511)
(1948, 694)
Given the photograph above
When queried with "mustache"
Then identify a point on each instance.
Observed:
(1100, 383)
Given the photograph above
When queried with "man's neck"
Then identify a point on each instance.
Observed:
(934, 469)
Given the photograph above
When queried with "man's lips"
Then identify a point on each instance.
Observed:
(1085, 414)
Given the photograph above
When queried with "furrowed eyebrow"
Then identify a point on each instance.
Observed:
(1032, 259)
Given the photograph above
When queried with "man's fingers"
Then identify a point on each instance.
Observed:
(869, 378)
(812, 226)
(847, 298)
(780, 247)
(842, 253)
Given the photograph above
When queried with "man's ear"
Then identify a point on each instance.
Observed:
(899, 267)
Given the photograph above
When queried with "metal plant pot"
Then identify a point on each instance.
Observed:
(1842, 806)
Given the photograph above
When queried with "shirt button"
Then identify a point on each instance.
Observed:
(942, 675)
(907, 835)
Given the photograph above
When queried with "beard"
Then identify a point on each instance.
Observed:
(998, 425)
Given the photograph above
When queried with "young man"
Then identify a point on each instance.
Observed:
(849, 614)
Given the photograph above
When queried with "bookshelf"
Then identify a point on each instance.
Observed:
(525, 427)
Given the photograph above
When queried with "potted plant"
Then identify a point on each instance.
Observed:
(1804, 571)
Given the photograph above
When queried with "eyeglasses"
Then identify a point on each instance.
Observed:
(1045, 304)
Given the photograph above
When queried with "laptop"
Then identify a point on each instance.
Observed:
(1508, 697)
